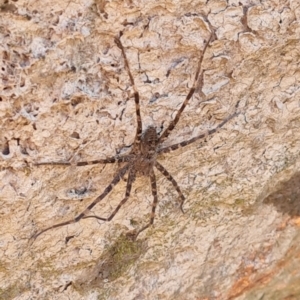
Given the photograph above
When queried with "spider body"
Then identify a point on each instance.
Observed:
(148, 147)
(142, 160)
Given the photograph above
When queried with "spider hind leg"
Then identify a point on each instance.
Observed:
(154, 203)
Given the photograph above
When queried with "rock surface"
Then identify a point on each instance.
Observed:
(65, 96)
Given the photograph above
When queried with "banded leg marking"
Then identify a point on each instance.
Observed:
(107, 190)
(188, 97)
(127, 194)
(172, 180)
(154, 204)
(109, 160)
(201, 136)
(136, 93)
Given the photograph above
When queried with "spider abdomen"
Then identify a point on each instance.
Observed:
(143, 165)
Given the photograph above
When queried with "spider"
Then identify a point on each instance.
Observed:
(142, 158)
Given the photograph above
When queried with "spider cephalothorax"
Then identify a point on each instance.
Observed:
(142, 160)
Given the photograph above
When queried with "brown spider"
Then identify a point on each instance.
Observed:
(143, 156)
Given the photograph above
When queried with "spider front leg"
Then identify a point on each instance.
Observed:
(107, 190)
(136, 93)
(198, 75)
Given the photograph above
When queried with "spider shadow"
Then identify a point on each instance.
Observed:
(286, 197)
(115, 260)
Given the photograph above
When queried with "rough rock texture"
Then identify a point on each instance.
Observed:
(65, 96)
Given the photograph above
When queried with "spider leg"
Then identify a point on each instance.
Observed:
(136, 93)
(155, 199)
(173, 181)
(109, 160)
(107, 190)
(127, 194)
(201, 136)
(198, 74)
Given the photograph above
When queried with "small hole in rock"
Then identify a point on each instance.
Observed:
(5, 149)
(24, 151)
(68, 238)
(76, 101)
(75, 135)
